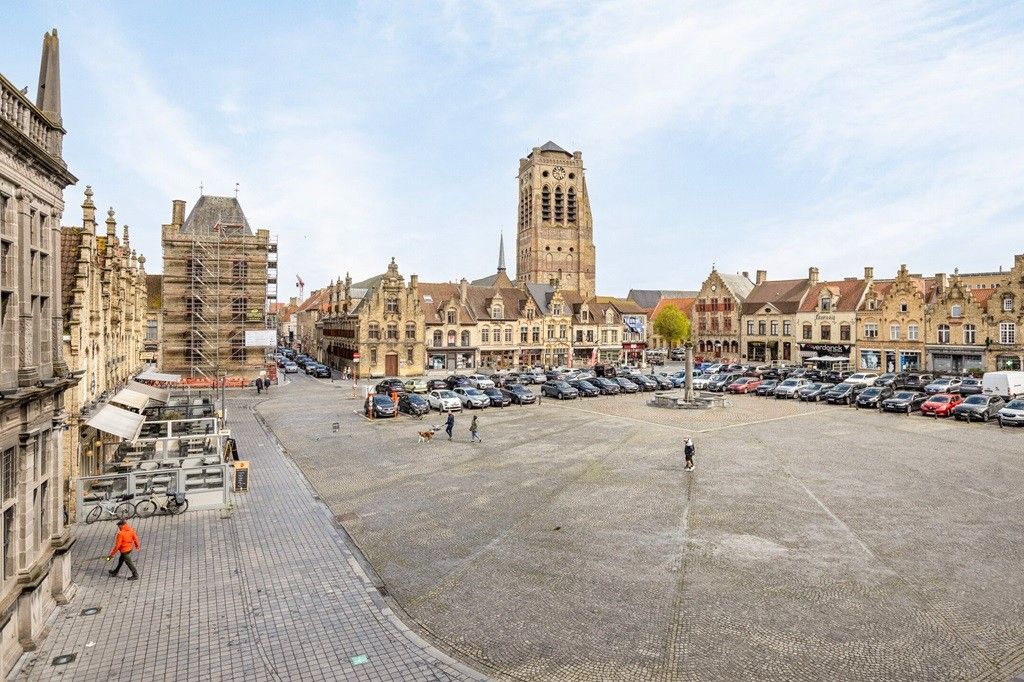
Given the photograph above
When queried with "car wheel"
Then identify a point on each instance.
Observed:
(985, 418)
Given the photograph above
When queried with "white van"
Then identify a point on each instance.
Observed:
(1007, 385)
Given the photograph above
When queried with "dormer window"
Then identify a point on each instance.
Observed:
(529, 313)
(826, 304)
(451, 317)
(497, 312)
(391, 305)
(872, 304)
(556, 309)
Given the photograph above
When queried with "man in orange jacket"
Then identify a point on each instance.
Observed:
(125, 541)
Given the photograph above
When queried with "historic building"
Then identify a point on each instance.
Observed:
(154, 320)
(769, 316)
(717, 309)
(308, 331)
(35, 570)
(555, 227)
(104, 293)
(957, 324)
(890, 323)
(217, 276)
(827, 318)
(1006, 310)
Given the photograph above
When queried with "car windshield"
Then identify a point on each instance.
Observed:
(790, 382)
(492, 391)
(969, 382)
(871, 392)
(813, 387)
(472, 391)
(561, 384)
(415, 399)
(844, 388)
(446, 394)
(518, 389)
(1015, 405)
(976, 400)
(941, 382)
(904, 395)
(383, 399)
(940, 399)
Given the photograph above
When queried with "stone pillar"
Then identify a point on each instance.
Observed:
(28, 365)
(688, 388)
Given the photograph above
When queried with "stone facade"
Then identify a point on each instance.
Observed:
(555, 226)
(826, 322)
(719, 305)
(154, 320)
(768, 328)
(105, 304)
(35, 572)
(891, 325)
(1005, 309)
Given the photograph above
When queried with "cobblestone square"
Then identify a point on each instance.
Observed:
(811, 542)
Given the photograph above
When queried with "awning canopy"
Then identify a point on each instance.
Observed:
(130, 398)
(159, 376)
(118, 422)
(158, 394)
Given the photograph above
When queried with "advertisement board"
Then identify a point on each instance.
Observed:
(260, 338)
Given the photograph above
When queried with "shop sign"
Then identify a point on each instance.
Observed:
(826, 348)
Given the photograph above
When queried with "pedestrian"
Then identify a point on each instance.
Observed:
(474, 431)
(259, 385)
(125, 541)
(266, 385)
(688, 450)
(449, 424)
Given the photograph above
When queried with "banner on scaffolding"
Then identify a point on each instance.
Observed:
(260, 338)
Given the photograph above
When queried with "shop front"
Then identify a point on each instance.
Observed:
(634, 352)
(947, 359)
(811, 350)
(609, 355)
(447, 359)
(757, 351)
(584, 357)
(530, 357)
(497, 359)
(1008, 363)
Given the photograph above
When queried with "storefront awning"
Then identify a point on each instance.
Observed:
(130, 398)
(159, 377)
(158, 394)
(117, 422)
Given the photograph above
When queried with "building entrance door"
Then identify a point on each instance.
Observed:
(391, 364)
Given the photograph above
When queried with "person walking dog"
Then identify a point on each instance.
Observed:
(474, 431)
(126, 540)
(449, 425)
(689, 450)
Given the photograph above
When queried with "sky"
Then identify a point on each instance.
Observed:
(747, 135)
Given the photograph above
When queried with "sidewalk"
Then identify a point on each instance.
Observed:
(271, 592)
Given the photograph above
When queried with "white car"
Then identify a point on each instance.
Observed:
(416, 386)
(472, 397)
(290, 368)
(444, 401)
(861, 379)
(701, 382)
(1012, 413)
(480, 381)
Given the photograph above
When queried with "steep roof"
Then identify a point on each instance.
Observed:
(739, 285)
(434, 296)
(317, 300)
(683, 304)
(154, 291)
(783, 294)
(210, 210)
(498, 279)
(370, 282)
(982, 297)
(849, 291)
(550, 146)
(649, 298)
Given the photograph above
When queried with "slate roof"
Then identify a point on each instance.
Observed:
(783, 294)
(499, 279)
(739, 285)
(849, 291)
(550, 146)
(210, 210)
(649, 298)
(435, 295)
(154, 291)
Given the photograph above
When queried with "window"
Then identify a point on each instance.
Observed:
(408, 356)
(786, 351)
(529, 313)
(943, 333)
(485, 335)
(536, 334)
(497, 312)
(438, 338)
(1007, 303)
(762, 328)
(870, 331)
(870, 359)
(808, 332)
(392, 331)
(545, 203)
(579, 336)
(556, 309)
(956, 311)
(391, 305)
(465, 339)
(373, 357)
(508, 334)
(559, 205)
(151, 330)
(844, 332)
(970, 333)
(451, 317)
(912, 332)
(562, 331)
(604, 336)
(524, 334)
(9, 563)
(775, 327)
(903, 306)
(240, 269)
(1007, 333)
(551, 331)
(373, 331)
(826, 304)
(872, 304)
(451, 338)
(590, 336)
(894, 332)
(826, 332)
(570, 212)
(497, 335)
(787, 328)
(750, 327)
(410, 331)
(8, 475)
(615, 336)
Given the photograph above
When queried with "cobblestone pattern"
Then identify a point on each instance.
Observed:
(272, 592)
(811, 542)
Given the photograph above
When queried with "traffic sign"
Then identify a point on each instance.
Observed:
(355, 355)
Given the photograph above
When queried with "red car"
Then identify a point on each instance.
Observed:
(941, 404)
(743, 385)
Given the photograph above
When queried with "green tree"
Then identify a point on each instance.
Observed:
(673, 325)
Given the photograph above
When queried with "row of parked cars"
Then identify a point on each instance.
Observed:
(291, 363)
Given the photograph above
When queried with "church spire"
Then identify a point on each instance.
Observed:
(501, 253)
(48, 94)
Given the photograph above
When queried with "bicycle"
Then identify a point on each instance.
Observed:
(120, 509)
(170, 503)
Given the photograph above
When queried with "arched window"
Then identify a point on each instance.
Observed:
(438, 338)
(735, 347)
(451, 337)
(392, 331)
(570, 212)
(485, 335)
(374, 331)
(943, 333)
(559, 206)
(545, 203)
(465, 339)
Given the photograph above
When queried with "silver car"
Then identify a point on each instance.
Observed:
(444, 401)
(472, 397)
(1012, 414)
(790, 387)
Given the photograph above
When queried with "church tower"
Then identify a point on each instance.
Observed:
(555, 227)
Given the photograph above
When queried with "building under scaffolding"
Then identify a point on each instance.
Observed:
(219, 280)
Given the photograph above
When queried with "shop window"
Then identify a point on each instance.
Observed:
(826, 332)
(894, 332)
(465, 339)
(943, 333)
(970, 334)
(844, 332)
(1008, 363)
(870, 359)
(808, 332)
(1007, 333)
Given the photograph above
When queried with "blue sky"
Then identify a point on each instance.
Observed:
(752, 135)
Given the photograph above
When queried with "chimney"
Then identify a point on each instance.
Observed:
(463, 290)
(1018, 260)
(940, 282)
(869, 273)
(812, 274)
(762, 276)
(178, 213)
(746, 275)
(414, 281)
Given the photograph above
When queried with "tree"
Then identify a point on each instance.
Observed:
(672, 324)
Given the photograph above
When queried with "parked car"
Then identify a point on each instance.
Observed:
(940, 404)
(472, 397)
(1012, 414)
(560, 390)
(872, 397)
(606, 371)
(480, 381)
(444, 400)
(722, 381)
(887, 379)
(663, 382)
(1006, 385)
(789, 387)
(815, 392)
(626, 385)
(843, 394)
(519, 394)
(605, 385)
(642, 382)
(291, 368)
(970, 386)
(416, 386)
(497, 398)
(904, 401)
(310, 368)
(701, 383)
(677, 354)
(767, 387)
(413, 404)
(390, 386)
(943, 385)
(585, 388)
(862, 379)
(456, 381)
(436, 385)
(379, 405)
(913, 381)
(322, 372)
(743, 385)
(979, 407)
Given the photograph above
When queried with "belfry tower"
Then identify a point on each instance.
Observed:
(555, 227)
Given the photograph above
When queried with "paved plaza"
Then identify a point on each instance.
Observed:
(269, 591)
(812, 542)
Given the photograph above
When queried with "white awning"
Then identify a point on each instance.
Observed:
(130, 398)
(158, 394)
(114, 420)
(159, 376)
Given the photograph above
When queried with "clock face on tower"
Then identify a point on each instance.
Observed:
(558, 172)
